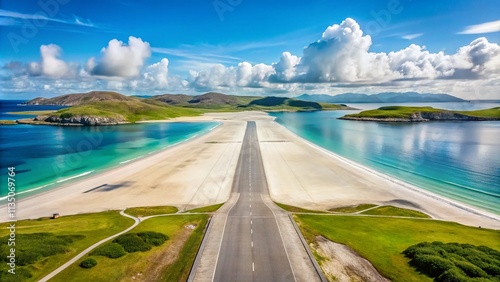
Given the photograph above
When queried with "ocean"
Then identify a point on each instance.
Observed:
(46, 156)
(458, 160)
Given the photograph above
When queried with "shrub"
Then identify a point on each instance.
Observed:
(431, 265)
(153, 238)
(455, 262)
(470, 269)
(132, 243)
(22, 274)
(110, 250)
(452, 275)
(88, 263)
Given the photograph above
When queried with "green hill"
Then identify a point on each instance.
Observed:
(416, 114)
(104, 108)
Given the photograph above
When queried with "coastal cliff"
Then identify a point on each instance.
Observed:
(82, 120)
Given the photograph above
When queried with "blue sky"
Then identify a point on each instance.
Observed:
(237, 46)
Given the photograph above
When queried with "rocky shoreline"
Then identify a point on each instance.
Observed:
(84, 120)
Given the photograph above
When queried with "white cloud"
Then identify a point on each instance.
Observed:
(412, 36)
(120, 59)
(51, 65)
(157, 74)
(487, 27)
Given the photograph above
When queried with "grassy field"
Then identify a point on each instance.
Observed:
(395, 211)
(212, 208)
(147, 211)
(352, 209)
(405, 112)
(132, 111)
(168, 262)
(93, 227)
(382, 240)
(493, 112)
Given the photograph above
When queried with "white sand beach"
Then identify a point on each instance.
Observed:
(200, 172)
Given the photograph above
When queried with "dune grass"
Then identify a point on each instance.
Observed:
(143, 264)
(395, 211)
(382, 240)
(85, 230)
(352, 209)
(147, 211)
(212, 208)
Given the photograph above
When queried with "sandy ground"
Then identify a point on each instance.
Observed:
(200, 172)
(345, 265)
(302, 174)
(195, 173)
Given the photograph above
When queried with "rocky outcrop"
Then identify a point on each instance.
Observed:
(82, 120)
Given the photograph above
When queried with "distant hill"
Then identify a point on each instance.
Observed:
(386, 97)
(81, 98)
(104, 108)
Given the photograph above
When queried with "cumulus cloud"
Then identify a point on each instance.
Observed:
(51, 65)
(243, 75)
(120, 59)
(157, 74)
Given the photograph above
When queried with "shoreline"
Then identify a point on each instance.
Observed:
(423, 191)
(96, 171)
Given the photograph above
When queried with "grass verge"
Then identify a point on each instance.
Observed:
(147, 211)
(92, 227)
(395, 211)
(169, 262)
(382, 240)
(212, 208)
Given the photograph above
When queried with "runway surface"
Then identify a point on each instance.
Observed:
(252, 248)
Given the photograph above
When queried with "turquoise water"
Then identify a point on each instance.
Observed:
(459, 160)
(46, 156)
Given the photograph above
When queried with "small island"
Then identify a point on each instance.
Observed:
(420, 114)
(111, 108)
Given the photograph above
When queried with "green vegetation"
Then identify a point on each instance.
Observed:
(487, 113)
(394, 112)
(88, 263)
(172, 259)
(382, 240)
(403, 112)
(34, 113)
(110, 250)
(212, 208)
(7, 122)
(140, 242)
(352, 209)
(148, 211)
(48, 243)
(131, 111)
(296, 209)
(395, 211)
(179, 270)
(454, 261)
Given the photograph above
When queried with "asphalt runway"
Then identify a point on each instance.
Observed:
(252, 247)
